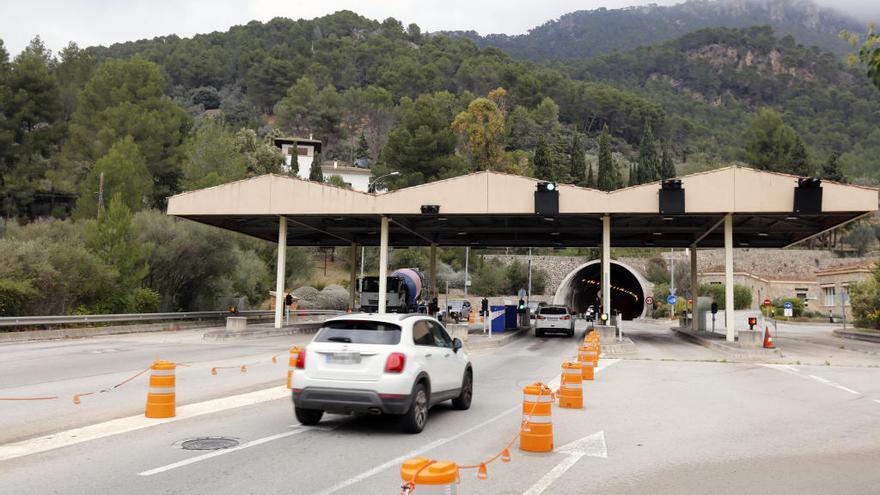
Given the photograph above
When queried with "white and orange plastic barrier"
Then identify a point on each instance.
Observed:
(536, 434)
(161, 396)
(571, 388)
(432, 477)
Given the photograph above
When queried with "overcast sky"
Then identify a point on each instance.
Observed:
(94, 22)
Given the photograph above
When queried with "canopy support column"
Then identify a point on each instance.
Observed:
(383, 266)
(695, 289)
(606, 266)
(435, 291)
(352, 277)
(279, 276)
(728, 278)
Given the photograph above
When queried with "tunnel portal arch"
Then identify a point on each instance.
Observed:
(582, 288)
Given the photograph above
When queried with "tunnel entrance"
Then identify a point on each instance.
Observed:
(582, 288)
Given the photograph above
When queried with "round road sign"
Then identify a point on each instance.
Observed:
(787, 305)
(671, 299)
(767, 302)
(649, 300)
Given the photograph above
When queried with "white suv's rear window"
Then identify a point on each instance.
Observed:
(359, 332)
(550, 310)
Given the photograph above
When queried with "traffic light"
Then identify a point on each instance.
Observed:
(288, 300)
(547, 198)
(714, 308)
(484, 306)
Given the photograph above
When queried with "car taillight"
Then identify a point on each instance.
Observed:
(566, 317)
(301, 359)
(395, 363)
(540, 317)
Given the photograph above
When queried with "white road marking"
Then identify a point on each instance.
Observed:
(592, 445)
(823, 381)
(835, 385)
(132, 423)
(398, 460)
(217, 453)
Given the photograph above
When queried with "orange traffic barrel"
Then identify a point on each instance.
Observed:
(537, 430)
(161, 399)
(291, 365)
(431, 477)
(571, 388)
(588, 352)
(587, 369)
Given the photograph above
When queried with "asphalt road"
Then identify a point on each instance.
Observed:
(670, 418)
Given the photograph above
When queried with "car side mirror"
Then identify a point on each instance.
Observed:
(457, 344)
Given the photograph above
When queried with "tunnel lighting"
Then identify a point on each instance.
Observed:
(462, 233)
(791, 218)
(649, 243)
(658, 233)
(441, 219)
(762, 234)
(549, 219)
(744, 244)
(474, 243)
(554, 233)
(338, 219)
(668, 219)
(372, 232)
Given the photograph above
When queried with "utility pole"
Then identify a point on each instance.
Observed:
(672, 279)
(100, 195)
(467, 257)
(529, 292)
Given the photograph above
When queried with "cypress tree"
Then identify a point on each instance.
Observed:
(632, 175)
(543, 162)
(591, 182)
(800, 161)
(667, 168)
(315, 172)
(606, 176)
(578, 162)
(649, 163)
(363, 149)
(831, 170)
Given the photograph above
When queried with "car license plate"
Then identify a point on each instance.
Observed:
(344, 358)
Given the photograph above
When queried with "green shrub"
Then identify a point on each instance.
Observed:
(742, 295)
(143, 300)
(15, 296)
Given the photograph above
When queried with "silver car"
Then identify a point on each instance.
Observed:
(554, 319)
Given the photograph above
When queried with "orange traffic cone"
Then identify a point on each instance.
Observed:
(768, 339)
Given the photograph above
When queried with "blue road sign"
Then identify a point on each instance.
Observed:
(787, 305)
(671, 299)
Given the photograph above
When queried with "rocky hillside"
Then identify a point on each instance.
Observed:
(588, 33)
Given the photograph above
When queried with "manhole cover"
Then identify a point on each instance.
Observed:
(210, 443)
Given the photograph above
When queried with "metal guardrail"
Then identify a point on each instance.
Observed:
(27, 321)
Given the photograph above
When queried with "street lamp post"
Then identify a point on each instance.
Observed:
(371, 187)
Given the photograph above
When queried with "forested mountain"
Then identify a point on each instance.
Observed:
(588, 33)
(712, 81)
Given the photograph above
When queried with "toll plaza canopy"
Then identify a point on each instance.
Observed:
(490, 209)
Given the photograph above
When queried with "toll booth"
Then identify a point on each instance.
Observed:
(498, 316)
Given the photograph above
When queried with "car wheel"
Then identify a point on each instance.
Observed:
(463, 401)
(413, 421)
(308, 417)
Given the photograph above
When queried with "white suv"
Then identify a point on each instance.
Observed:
(399, 364)
(554, 319)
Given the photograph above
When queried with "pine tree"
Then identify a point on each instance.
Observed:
(561, 160)
(667, 168)
(606, 175)
(543, 161)
(800, 161)
(578, 162)
(649, 163)
(632, 175)
(832, 171)
(363, 149)
(315, 172)
(591, 182)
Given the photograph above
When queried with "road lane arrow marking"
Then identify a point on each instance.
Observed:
(589, 446)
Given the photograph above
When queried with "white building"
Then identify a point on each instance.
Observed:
(356, 178)
(303, 149)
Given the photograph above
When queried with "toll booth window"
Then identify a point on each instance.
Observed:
(359, 332)
(422, 333)
(370, 285)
